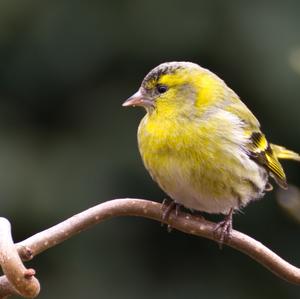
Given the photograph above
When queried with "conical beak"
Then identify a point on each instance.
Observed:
(138, 100)
(135, 100)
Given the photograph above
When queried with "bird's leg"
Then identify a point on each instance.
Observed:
(224, 228)
(168, 208)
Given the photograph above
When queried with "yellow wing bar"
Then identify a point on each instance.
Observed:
(263, 154)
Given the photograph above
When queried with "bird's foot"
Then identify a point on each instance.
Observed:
(223, 229)
(167, 210)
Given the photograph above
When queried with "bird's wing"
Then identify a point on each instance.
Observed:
(258, 147)
(238, 108)
(261, 151)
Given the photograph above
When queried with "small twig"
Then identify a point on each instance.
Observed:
(184, 222)
(21, 279)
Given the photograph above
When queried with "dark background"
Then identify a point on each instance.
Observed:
(67, 144)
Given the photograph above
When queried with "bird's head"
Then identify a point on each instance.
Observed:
(171, 85)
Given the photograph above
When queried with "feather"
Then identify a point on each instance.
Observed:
(282, 153)
(262, 152)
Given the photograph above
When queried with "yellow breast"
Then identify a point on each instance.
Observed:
(193, 162)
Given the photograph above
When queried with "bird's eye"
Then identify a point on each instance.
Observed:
(161, 88)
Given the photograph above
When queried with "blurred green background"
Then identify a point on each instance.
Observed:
(67, 144)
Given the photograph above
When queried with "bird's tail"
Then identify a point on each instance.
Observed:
(282, 153)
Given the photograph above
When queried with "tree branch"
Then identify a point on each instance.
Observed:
(22, 280)
(19, 280)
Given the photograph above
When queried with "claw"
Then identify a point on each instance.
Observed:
(224, 228)
(168, 208)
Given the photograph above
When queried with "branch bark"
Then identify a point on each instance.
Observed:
(19, 280)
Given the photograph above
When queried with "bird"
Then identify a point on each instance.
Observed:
(202, 144)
